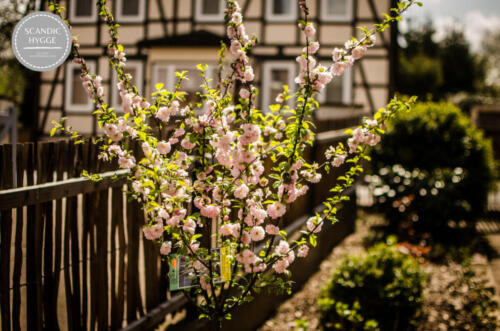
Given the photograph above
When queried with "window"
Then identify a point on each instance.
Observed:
(275, 74)
(130, 11)
(164, 72)
(82, 11)
(281, 10)
(76, 97)
(210, 10)
(336, 10)
(133, 67)
(338, 91)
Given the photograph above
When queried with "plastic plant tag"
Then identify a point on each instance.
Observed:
(180, 273)
(225, 264)
(183, 275)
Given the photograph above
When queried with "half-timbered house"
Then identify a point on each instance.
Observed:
(164, 36)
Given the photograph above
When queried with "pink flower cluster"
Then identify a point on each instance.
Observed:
(239, 43)
(341, 58)
(360, 136)
(285, 255)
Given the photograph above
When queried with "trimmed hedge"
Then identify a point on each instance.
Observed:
(433, 166)
(377, 290)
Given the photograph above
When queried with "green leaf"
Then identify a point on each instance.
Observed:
(312, 240)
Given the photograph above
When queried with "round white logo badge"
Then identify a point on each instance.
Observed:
(41, 41)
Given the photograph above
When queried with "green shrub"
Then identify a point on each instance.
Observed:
(432, 167)
(378, 290)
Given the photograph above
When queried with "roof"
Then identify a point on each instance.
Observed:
(195, 38)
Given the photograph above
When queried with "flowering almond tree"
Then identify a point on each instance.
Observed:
(214, 159)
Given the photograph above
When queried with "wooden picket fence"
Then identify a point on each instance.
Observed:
(72, 251)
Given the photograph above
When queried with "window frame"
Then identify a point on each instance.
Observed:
(336, 18)
(139, 18)
(271, 17)
(347, 79)
(267, 66)
(172, 67)
(139, 79)
(201, 17)
(68, 88)
(73, 18)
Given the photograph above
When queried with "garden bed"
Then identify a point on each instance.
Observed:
(454, 292)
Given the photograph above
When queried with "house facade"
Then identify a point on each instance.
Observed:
(164, 36)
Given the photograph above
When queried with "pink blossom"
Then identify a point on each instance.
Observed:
(338, 160)
(282, 248)
(193, 247)
(226, 229)
(189, 226)
(210, 211)
(245, 237)
(153, 232)
(244, 93)
(126, 162)
(251, 133)
(185, 143)
(350, 44)
(313, 48)
(258, 213)
(235, 230)
(241, 192)
(163, 114)
(337, 54)
(281, 265)
(127, 102)
(163, 147)
(166, 248)
(310, 31)
(314, 224)
(276, 210)
(257, 233)
(358, 52)
(338, 68)
(235, 46)
(303, 251)
(315, 178)
(249, 75)
(179, 132)
(272, 229)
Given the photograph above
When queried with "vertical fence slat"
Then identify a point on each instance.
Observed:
(101, 243)
(151, 274)
(101, 228)
(33, 314)
(78, 316)
(120, 298)
(134, 302)
(60, 157)
(112, 263)
(49, 287)
(5, 240)
(40, 221)
(89, 246)
(6, 237)
(22, 164)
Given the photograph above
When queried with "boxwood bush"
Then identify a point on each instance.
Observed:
(377, 290)
(432, 167)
